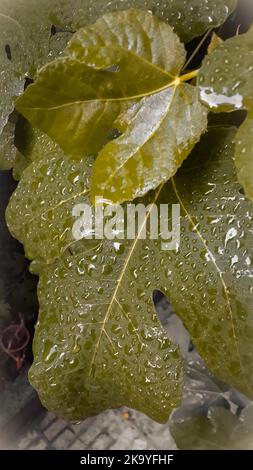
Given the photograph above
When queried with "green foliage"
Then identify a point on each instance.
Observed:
(211, 290)
(83, 92)
(7, 148)
(27, 31)
(225, 81)
(220, 430)
(98, 342)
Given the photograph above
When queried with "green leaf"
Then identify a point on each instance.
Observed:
(159, 135)
(215, 42)
(129, 36)
(220, 430)
(7, 148)
(192, 18)
(12, 56)
(42, 43)
(189, 18)
(115, 351)
(27, 28)
(244, 155)
(225, 82)
(52, 208)
(225, 76)
(95, 300)
(26, 43)
(76, 105)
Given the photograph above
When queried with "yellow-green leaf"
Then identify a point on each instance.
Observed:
(159, 135)
(215, 42)
(77, 101)
(120, 37)
(76, 105)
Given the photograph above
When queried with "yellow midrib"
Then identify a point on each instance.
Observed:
(147, 140)
(119, 281)
(175, 83)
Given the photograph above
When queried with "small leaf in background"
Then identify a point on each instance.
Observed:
(27, 43)
(47, 27)
(89, 338)
(215, 42)
(219, 430)
(225, 82)
(244, 155)
(156, 141)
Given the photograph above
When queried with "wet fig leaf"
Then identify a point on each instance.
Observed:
(225, 78)
(8, 150)
(76, 105)
(225, 82)
(188, 18)
(244, 155)
(121, 36)
(28, 42)
(69, 185)
(160, 134)
(12, 69)
(97, 336)
(115, 351)
(220, 430)
(77, 101)
(192, 18)
(35, 33)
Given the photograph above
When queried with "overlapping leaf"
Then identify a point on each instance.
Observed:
(192, 18)
(220, 430)
(188, 18)
(98, 337)
(159, 135)
(27, 43)
(226, 85)
(37, 33)
(129, 36)
(120, 62)
(77, 105)
(47, 27)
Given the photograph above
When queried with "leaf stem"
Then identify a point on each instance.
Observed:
(188, 76)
